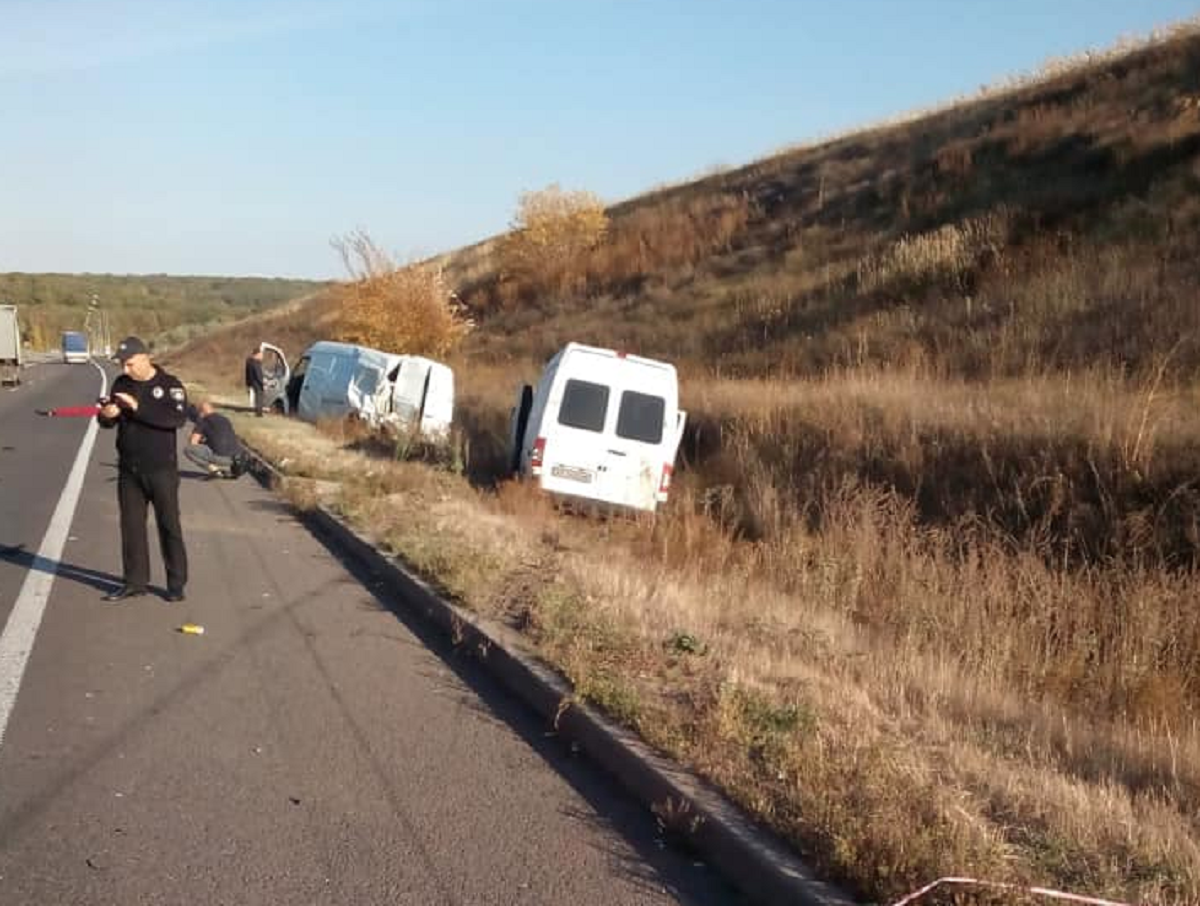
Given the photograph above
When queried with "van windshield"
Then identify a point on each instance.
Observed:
(641, 417)
(584, 405)
(74, 342)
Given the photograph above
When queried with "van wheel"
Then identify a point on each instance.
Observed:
(520, 423)
(277, 407)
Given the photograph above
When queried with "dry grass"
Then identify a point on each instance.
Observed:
(848, 685)
(946, 255)
(564, 247)
(1023, 529)
(666, 237)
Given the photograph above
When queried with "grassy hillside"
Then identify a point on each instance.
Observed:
(1052, 227)
(1046, 235)
(924, 600)
(215, 358)
(159, 307)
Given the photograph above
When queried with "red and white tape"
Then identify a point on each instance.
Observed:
(1016, 888)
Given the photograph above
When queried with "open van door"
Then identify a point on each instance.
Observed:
(518, 422)
(671, 450)
(408, 380)
(276, 375)
(422, 396)
(437, 413)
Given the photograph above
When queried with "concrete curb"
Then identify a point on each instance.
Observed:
(752, 859)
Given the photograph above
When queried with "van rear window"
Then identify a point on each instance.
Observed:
(641, 417)
(584, 405)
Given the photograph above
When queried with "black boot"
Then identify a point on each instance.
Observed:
(125, 591)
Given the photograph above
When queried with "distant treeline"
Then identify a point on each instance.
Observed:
(162, 308)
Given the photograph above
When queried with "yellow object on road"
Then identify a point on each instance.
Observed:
(191, 629)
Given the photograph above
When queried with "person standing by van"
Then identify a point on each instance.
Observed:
(147, 407)
(254, 380)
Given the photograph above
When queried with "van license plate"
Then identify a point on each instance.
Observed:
(573, 473)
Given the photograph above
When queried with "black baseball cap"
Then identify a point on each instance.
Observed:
(128, 348)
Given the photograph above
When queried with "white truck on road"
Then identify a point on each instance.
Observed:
(10, 345)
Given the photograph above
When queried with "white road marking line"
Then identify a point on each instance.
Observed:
(16, 642)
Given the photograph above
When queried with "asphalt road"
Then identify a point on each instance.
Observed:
(310, 747)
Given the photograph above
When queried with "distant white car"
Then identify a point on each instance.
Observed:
(601, 426)
(386, 390)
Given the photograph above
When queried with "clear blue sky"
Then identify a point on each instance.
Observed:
(237, 136)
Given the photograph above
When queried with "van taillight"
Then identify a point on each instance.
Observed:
(539, 455)
(664, 485)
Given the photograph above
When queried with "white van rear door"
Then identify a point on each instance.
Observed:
(408, 390)
(573, 438)
(670, 451)
(634, 445)
(437, 414)
(606, 430)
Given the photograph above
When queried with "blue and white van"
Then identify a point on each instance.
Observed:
(386, 390)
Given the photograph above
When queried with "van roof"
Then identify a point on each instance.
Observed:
(334, 346)
(331, 347)
(613, 354)
(423, 360)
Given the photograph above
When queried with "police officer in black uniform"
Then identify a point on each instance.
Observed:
(147, 406)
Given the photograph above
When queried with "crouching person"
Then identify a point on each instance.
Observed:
(214, 445)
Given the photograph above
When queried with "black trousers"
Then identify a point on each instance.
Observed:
(160, 489)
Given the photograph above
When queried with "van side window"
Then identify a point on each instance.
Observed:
(367, 380)
(341, 369)
(584, 405)
(641, 417)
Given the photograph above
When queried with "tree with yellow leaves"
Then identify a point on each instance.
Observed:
(552, 233)
(393, 307)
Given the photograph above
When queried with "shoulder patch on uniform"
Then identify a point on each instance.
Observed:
(157, 393)
(177, 394)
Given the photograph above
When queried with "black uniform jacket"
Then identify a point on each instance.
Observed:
(146, 438)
